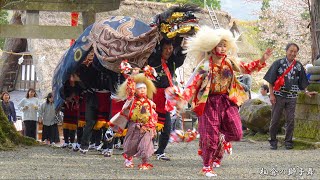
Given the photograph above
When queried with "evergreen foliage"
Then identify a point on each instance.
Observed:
(3, 20)
(9, 137)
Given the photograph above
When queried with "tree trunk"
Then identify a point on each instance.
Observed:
(9, 137)
(9, 62)
(315, 28)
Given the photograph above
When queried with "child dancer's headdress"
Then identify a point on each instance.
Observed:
(207, 38)
(140, 79)
(177, 21)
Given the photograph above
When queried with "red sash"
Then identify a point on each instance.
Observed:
(280, 81)
(167, 71)
(168, 106)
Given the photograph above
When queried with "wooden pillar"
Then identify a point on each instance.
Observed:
(32, 18)
(88, 17)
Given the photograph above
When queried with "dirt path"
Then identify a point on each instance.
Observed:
(251, 160)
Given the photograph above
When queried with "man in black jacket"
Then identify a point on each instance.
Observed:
(166, 57)
(283, 96)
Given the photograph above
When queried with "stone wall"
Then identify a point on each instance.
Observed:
(307, 117)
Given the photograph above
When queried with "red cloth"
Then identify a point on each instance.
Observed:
(220, 116)
(280, 81)
(74, 22)
(160, 100)
(252, 66)
(70, 116)
(116, 106)
(103, 106)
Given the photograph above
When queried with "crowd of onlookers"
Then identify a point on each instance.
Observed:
(34, 111)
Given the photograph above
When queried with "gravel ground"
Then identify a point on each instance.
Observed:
(251, 160)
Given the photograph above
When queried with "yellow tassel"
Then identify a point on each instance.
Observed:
(81, 123)
(99, 125)
(106, 125)
(182, 30)
(69, 126)
(124, 133)
(159, 127)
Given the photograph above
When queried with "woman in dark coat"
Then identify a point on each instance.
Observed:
(8, 107)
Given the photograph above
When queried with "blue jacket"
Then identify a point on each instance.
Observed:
(12, 115)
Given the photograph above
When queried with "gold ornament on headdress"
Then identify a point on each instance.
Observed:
(177, 25)
(175, 16)
(182, 30)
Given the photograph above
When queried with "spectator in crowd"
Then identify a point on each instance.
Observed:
(263, 96)
(29, 106)
(176, 120)
(286, 77)
(8, 107)
(47, 116)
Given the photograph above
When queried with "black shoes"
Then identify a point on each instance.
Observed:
(83, 151)
(273, 144)
(162, 157)
(289, 146)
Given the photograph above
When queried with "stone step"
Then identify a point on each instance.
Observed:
(315, 77)
(313, 70)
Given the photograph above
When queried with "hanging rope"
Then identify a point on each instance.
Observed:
(22, 54)
(18, 54)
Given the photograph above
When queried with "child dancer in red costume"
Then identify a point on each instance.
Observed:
(142, 118)
(215, 93)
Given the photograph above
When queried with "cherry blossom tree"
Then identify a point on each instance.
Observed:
(284, 21)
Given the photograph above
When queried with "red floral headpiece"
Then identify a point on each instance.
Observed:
(148, 71)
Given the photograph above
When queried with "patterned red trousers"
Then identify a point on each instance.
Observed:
(220, 116)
